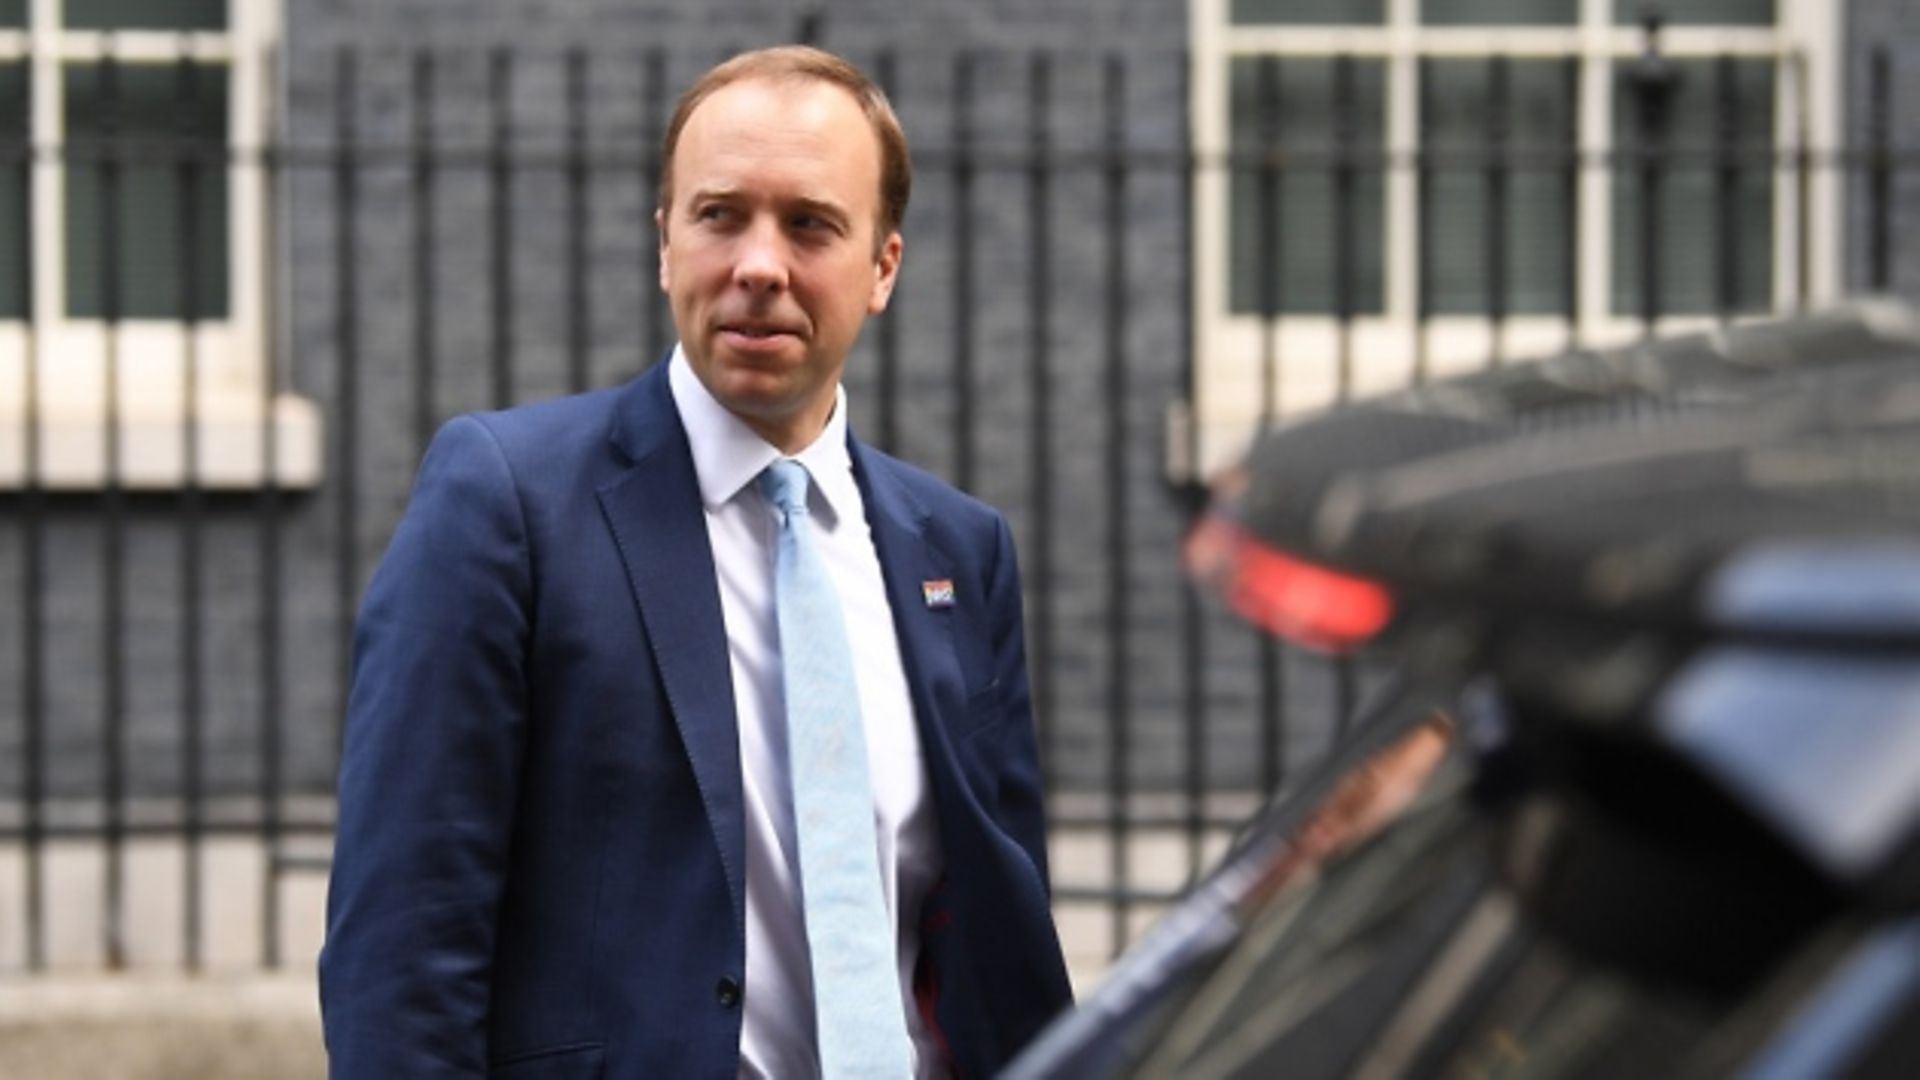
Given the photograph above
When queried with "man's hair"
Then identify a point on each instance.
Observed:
(802, 63)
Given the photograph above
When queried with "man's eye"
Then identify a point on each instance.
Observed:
(712, 213)
(810, 223)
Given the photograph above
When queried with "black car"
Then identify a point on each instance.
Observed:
(1643, 795)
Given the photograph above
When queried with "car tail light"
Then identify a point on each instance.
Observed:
(1306, 604)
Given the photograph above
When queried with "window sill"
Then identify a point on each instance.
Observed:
(232, 437)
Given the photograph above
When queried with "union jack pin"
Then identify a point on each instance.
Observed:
(937, 593)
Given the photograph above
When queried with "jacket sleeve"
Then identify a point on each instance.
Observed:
(1022, 808)
(435, 728)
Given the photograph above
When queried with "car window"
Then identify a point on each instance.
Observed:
(1326, 940)
(1405, 955)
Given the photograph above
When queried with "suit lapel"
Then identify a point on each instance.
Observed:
(908, 559)
(654, 512)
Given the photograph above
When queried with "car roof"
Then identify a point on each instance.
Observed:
(1711, 541)
(1761, 479)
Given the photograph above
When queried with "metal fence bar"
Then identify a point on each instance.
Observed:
(887, 332)
(1880, 170)
(267, 516)
(1345, 305)
(1498, 167)
(347, 163)
(1345, 177)
(32, 612)
(1193, 701)
(963, 298)
(653, 302)
(1119, 563)
(1424, 173)
(500, 178)
(1570, 192)
(425, 180)
(192, 626)
(1654, 88)
(1265, 153)
(1803, 195)
(1726, 171)
(346, 480)
(579, 301)
(810, 27)
(113, 644)
(1040, 608)
(1268, 207)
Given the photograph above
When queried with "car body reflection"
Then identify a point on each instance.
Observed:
(1643, 797)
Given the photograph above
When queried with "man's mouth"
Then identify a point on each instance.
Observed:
(758, 331)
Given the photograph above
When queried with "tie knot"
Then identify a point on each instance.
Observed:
(784, 483)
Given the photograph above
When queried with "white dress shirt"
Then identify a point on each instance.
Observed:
(777, 1038)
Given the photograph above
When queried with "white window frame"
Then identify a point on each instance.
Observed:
(1230, 401)
(72, 357)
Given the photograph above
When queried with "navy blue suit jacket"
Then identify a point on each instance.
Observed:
(541, 849)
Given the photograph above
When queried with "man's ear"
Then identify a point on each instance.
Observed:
(660, 226)
(886, 271)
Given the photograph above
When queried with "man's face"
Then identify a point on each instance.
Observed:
(768, 252)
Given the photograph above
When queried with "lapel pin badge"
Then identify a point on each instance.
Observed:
(937, 593)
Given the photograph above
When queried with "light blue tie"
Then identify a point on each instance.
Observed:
(856, 981)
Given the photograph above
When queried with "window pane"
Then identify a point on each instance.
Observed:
(1289, 189)
(1498, 136)
(146, 14)
(1500, 12)
(1713, 192)
(1310, 12)
(1697, 12)
(15, 267)
(13, 12)
(140, 136)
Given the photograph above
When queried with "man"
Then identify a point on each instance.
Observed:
(592, 748)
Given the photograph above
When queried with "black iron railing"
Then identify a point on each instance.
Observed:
(416, 274)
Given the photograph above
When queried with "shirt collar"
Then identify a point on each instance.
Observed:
(728, 455)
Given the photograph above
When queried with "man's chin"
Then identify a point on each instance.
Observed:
(749, 381)
(760, 395)
(786, 421)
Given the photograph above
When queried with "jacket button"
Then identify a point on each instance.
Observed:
(728, 993)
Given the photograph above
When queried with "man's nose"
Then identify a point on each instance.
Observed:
(762, 262)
